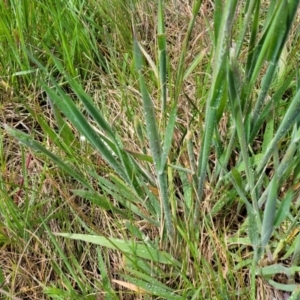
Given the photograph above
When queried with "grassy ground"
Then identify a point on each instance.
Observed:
(149, 150)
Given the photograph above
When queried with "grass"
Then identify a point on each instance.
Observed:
(149, 150)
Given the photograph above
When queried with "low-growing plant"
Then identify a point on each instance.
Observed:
(231, 184)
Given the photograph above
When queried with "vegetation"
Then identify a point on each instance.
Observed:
(149, 149)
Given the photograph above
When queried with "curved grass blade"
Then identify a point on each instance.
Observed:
(126, 247)
(68, 107)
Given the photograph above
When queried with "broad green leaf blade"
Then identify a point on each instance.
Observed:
(238, 179)
(85, 99)
(106, 284)
(126, 247)
(93, 111)
(270, 104)
(264, 50)
(284, 287)
(153, 289)
(68, 107)
(274, 269)
(146, 276)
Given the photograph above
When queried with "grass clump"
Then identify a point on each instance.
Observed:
(149, 150)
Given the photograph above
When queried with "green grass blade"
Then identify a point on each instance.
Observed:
(236, 111)
(269, 212)
(263, 115)
(285, 164)
(217, 21)
(98, 200)
(68, 107)
(168, 136)
(153, 289)
(105, 276)
(149, 112)
(28, 141)
(249, 12)
(162, 45)
(154, 140)
(126, 247)
(275, 46)
(289, 119)
(283, 209)
(116, 145)
(65, 131)
(65, 260)
(213, 102)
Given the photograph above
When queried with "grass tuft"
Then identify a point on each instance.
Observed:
(149, 150)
